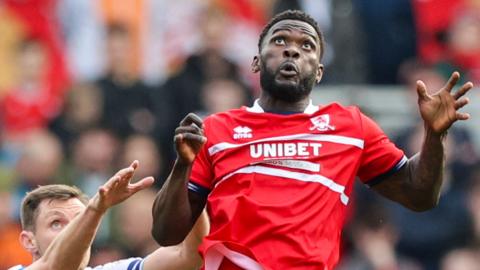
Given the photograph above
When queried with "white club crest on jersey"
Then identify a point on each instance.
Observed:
(242, 133)
(321, 123)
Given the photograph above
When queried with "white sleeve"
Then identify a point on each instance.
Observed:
(127, 264)
(18, 267)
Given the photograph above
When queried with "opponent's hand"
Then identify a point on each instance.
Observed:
(189, 138)
(118, 188)
(440, 110)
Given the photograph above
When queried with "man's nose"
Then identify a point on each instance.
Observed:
(291, 52)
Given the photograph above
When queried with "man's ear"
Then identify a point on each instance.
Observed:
(27, 239)
(256, 64)
(319, 73)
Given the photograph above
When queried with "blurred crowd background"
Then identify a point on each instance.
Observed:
(87, 86)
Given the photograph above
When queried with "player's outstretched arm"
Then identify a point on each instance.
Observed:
(183, 256)
(175, 210)
(417, 185)
(68, 248)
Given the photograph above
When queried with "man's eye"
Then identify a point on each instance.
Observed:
(279, 41)
(307, 45)
(56, 225)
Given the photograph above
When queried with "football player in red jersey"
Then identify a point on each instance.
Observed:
(276, 177)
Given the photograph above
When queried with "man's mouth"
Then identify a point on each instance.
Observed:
(288, 69)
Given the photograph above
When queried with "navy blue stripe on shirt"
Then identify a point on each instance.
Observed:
(385, 175)
(134, 264)
(198, 189)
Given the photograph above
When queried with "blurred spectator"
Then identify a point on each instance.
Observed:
(11, 30)
(144, 149)
(463, 45)
(412, 70)
(38, 19)
(432, 19)
(245, 20)
(93, 156)
(127, 104)
(170, 39)
(374, 238)
(130, 14)
(207, 64)
(390, 36)
(449, 35)
(132, 213)
(222, 95)
(39, 164)
(82, 111)
(12, 252)
(83, 32)
(461, 259)
(32, 102)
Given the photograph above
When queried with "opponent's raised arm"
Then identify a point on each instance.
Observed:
(417, 185)
(175, 210)
(68, 248)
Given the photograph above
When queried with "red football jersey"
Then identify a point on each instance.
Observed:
(278, 185)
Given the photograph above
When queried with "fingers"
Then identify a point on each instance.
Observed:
(192, 118)
(421, 90)
(461, 102)
(134, 164)
(452, 81)
(181, 138)
(131, 172)
(109, 185)
(125, 174)
(102, 191)
(463, 90)
(122, 177)
(142, 184)
(189, 129)
(462, 116)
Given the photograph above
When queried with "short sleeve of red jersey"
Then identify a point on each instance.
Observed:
(380, 156)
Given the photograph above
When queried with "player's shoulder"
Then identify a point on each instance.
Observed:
(335, 108)
(125, 264)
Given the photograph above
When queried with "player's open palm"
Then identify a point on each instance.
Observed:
(440, 110)
(118, 188)
(189, 138)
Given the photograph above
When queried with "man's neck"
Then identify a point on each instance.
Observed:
(270, 104)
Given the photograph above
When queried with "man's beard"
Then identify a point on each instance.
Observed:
(284, 92)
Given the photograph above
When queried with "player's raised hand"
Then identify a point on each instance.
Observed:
(189, 138)
(440, 110)
(118, 188)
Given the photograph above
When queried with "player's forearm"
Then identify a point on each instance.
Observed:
(189, 250)
(68, 249)
(172, 213)
(426, 172)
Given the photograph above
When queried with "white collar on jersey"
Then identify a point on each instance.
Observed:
(256, 108)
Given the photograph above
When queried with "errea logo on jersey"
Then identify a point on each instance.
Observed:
(242, 133)
(321, 123)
